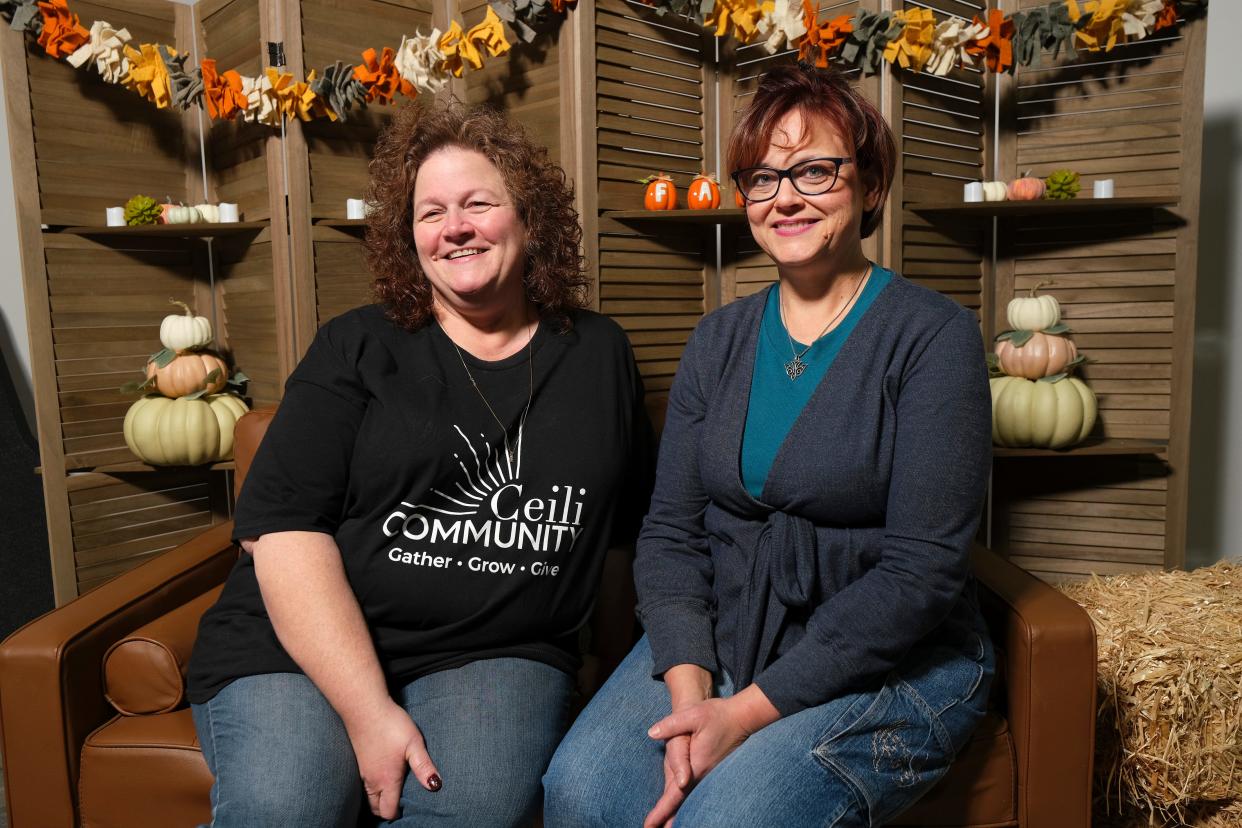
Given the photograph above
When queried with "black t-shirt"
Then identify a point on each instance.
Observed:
(455, 553)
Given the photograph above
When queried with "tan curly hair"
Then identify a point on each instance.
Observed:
(555, 279)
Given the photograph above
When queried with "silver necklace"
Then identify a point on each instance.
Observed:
(796, 366)
(530, 362)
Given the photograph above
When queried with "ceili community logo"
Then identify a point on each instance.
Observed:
(490, 513)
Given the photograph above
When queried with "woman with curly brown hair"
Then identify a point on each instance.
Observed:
(428, 513)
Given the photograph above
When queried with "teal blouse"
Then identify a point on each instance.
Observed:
(775, 400)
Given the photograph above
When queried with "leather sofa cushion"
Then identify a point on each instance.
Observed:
(979, 791)
(144, 770)
(144, 672)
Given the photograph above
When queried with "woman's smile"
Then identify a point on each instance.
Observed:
(794, 227)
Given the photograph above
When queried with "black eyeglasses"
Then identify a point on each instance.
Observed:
(812, 177)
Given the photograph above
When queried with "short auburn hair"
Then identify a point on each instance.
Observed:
(555, 278)
(827, 95)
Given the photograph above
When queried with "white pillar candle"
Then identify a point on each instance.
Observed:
(116, 216)
(355, 208)
(973, 191)
(228, 212)
(1102, 188)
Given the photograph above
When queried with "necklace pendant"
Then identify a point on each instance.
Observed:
(509, 454)
(795, 367)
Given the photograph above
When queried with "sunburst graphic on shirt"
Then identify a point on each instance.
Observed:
(492, 470)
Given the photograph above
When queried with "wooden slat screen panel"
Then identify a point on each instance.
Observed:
(237, 150)
(525, 82)
(650, 90)
(1065, 518)
(1118, 116)
(122, 520)
(332, 31)
(342, 281)
(107, 301)
(247, 307)
(943, 123)
(96, 143)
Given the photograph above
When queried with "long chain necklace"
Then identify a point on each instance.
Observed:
(796, 366)
(530, 362)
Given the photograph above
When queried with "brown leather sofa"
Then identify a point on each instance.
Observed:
(95, 729)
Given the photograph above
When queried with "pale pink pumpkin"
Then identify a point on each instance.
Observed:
(1026, 188)
(1040, 356)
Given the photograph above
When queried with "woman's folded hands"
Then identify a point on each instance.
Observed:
(700, 732)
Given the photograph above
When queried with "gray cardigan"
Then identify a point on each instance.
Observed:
(859, 547)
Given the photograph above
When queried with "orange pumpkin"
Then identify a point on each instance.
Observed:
(188, 373)
(1026, 188)
(661, 193)
(704, 193)
(737, 198)
(1040, 356)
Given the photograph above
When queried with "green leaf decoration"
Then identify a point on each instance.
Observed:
(1053, 377)
(200, 392)
(1020, 338)
(138, 387)
(162, 357)
(1078, 360)
(1058, 328)
(212, 377)
(238, 379)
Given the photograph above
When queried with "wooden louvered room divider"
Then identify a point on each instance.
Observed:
(616, 92)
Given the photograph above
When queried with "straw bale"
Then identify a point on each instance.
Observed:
(1169, 725)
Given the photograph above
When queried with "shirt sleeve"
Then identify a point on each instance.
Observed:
(300, 474)
(941, 463)
(673, 569)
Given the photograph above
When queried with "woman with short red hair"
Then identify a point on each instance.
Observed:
(815, 653)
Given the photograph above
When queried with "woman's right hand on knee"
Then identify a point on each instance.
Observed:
(386, 745)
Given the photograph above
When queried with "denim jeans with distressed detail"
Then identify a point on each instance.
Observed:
(858, 760)
(281, 755)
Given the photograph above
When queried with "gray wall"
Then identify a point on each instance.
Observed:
(14, 344)
(1216, 446)
(1215, 519)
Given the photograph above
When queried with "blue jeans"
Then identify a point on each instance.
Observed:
(858, 760)
(281, 756)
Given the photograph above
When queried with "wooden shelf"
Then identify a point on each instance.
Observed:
(336, 222)
(986, 209)
(727, 215)
(1092, 446)
(200, 230)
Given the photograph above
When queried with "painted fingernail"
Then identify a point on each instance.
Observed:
(434, 782)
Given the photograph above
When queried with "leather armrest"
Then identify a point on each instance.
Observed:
(51, 672)
(1050, 670)
(144, 672)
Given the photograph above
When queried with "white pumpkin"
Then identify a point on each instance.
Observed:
(185, 332)
(995, 191)
(180, 214)
(1033, 313)
(182, 432)
(1041, 414)
(209, 212)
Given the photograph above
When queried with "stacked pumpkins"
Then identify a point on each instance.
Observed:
(188, 420)
(1035, 401)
